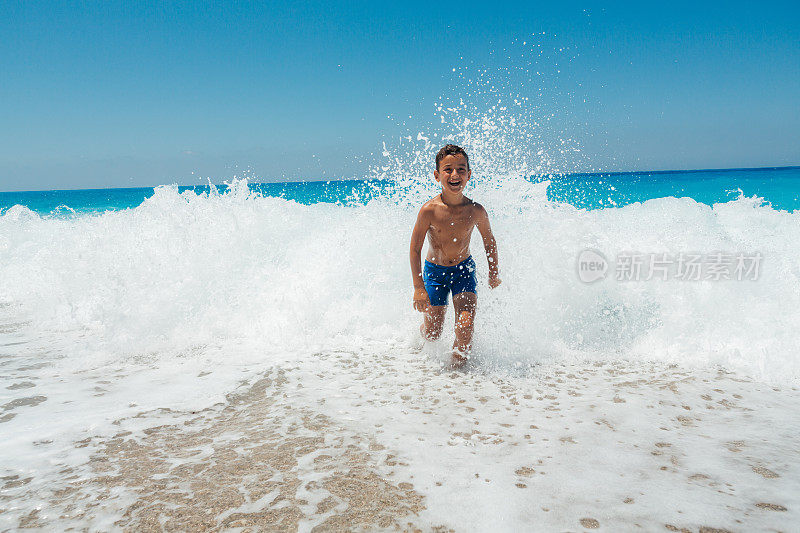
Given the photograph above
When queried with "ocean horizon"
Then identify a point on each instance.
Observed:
(777, 186)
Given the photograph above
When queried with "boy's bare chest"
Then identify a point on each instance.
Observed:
(452, 224)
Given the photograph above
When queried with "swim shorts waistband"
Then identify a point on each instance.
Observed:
(462, 263)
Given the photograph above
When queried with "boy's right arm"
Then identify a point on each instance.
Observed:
(421, 300)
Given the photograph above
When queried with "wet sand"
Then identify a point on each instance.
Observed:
(358, 441)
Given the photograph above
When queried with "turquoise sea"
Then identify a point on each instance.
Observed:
(778, 186)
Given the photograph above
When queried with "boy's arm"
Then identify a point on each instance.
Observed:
(421, 300)
(489, 244)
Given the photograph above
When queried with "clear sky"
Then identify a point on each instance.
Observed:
(122, 94)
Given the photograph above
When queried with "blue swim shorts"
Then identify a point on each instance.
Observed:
(441, 280)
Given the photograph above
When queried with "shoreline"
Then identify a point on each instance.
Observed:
(382, 441)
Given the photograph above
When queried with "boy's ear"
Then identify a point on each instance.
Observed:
(436, 174)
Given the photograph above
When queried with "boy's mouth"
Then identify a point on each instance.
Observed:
(454, 183)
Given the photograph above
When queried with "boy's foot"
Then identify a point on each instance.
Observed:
(458, 360)
(417, 340)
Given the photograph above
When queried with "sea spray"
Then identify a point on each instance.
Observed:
(183, 271)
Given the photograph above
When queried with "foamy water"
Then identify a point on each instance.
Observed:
(181, 273)
(173, 303)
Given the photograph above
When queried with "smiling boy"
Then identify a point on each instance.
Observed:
(448, 220)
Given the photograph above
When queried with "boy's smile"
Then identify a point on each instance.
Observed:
(453, 173)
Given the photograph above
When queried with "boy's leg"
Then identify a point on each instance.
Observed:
(437, 288)
(465, 304)
(431, 328)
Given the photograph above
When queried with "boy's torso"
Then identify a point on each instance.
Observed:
(450, 231)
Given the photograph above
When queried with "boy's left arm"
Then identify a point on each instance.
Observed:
(489, 244)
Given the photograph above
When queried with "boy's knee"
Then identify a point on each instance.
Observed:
(465, 319)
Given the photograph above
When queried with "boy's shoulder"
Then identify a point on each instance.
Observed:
(431, 206)
(476, 206)
(437, 201)
(428, 209)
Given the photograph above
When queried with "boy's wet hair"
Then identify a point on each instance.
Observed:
(450, 149)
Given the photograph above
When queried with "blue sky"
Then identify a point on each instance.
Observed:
(122, 94)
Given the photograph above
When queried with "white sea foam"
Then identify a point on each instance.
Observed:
(173, 303)
(182, 273)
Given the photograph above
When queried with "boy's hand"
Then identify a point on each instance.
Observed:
(494, 282)
(421, 300)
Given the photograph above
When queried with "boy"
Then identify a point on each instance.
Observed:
(448, 220)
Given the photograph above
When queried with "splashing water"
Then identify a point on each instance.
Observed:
(512, 122)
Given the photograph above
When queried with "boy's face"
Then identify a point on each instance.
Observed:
(453, 173)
